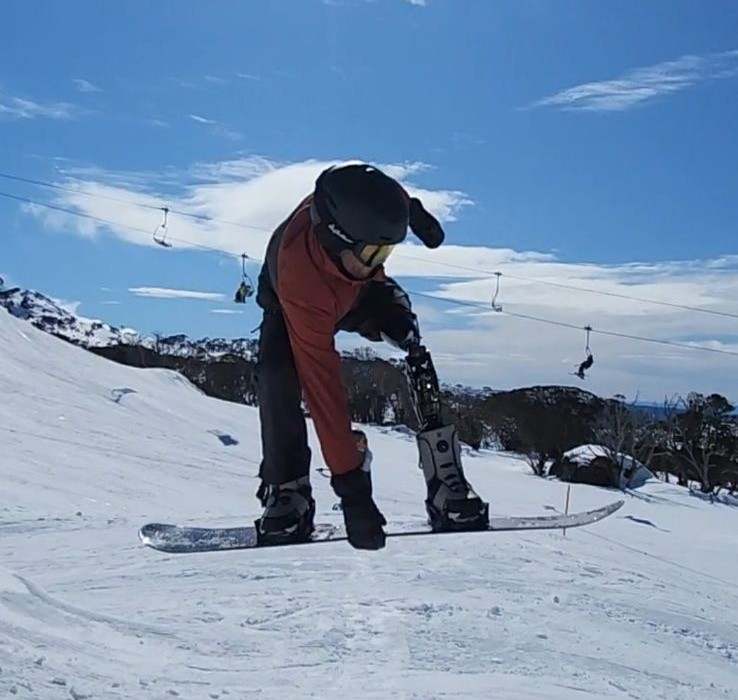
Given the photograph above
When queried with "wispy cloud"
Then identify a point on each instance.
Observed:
(236, 170)
(166, 293)
(645, 84)
(202, 120)
(188, 84)
(160, 123)
(226, 312)
(210, 80)
(78, 175)
(225, 132)
(22, 108)
(216, 80)
(217, 128)
(83, 85)
(418, 3)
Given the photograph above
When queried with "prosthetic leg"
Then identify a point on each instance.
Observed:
(451, 504)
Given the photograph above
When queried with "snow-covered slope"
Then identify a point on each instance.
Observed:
(643, 605)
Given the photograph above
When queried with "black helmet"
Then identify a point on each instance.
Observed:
(360, 204)
(360, 208)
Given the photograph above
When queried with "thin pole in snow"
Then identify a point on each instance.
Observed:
(568, 498)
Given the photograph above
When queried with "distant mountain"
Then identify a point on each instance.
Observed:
(51, 316)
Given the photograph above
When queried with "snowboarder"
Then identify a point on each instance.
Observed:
(323, 272)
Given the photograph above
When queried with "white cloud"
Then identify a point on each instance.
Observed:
(22, 108)
(247, 76)
(252, 194)
(83, 85)
(159, 123)
(227, 312)
(418, 3)
(644, 84)
(166, 293)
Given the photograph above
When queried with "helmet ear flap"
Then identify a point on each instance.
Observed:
(424, 225)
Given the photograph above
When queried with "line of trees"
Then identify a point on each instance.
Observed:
(693, 439)
(698, 442)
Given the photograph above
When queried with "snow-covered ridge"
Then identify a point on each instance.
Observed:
(52, 316)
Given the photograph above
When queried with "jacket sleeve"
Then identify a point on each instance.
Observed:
(311, 328)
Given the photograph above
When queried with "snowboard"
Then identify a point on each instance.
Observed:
(178, 539)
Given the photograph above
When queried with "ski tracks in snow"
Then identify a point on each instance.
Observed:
(125, 626)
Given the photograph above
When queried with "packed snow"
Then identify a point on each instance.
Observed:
(641, 605)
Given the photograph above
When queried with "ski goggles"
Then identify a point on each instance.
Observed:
(372, 255)
(335, 240)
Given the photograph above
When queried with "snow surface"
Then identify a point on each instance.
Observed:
(642, 605)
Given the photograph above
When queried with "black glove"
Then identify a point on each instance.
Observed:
(362, 517)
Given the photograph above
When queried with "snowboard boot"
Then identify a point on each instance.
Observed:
(288, 515)
(451, 504)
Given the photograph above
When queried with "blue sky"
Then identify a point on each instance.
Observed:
(586, 143)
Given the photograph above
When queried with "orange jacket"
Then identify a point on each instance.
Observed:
(314, 295)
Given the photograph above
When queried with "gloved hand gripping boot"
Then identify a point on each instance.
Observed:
(363, 520)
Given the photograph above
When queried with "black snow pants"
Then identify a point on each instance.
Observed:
(382, 312)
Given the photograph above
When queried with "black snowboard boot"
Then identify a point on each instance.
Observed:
(288, 515)
(452, 504)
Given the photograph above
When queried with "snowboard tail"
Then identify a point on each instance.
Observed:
(177, 539)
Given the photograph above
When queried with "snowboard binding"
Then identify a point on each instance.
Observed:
(452, 504)
(289, 512)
